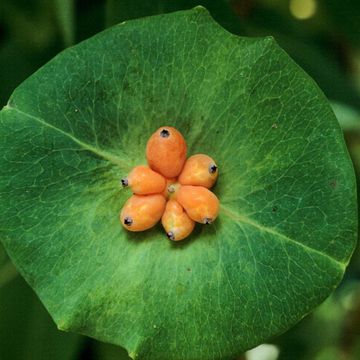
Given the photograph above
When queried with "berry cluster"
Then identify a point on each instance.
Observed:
(171, 188)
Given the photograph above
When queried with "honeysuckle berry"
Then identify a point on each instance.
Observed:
(143, 181)
(200, 203)
(166, 151)
(142, 212)
(124, 182)
(212, 168)
(173, 190)
(199, 170)
(176, 222)
(169, 188)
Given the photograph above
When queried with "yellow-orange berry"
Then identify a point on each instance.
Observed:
(169, 187)
(200, 203)
(141, 212)
(176, 222)
(166, 151)
(173, 190)
(199, 170)
(143, 181)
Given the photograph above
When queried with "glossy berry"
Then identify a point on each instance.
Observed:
(142, 212)
(200, 203)
(166, 151)
(176, 222)
(143, 181)
(199, 170)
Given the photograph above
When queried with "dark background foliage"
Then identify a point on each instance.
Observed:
(323, 36)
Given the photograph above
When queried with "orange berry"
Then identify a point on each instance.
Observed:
(176, 222)
(199, 170)
(169, 187)
(143, 181)
(141, 212)
(199, 203)
(166, 151)
(173, 190)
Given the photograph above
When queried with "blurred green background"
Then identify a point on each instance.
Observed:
(323, 36)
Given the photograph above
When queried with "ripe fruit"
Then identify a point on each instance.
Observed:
(166, 151)
(169, 187)
(143, 181)
(200, 170)
(176, 222)
(169, 178)
(141, 212)
(199, 203)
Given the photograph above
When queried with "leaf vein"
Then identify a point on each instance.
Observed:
(242, 219)
(99, 152)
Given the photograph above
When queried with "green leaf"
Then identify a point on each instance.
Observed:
(110, 352)
(287, 225)
(65, 11)
(334, 320)
(308, 46)
(26, 329)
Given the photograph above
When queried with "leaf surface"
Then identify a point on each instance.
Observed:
(26, 329)
(287, 224)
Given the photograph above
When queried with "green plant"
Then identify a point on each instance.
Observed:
(287, 223)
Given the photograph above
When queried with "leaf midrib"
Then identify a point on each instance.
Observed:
(99, 152)
(242, 219)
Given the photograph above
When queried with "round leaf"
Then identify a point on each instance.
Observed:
(287, 224)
